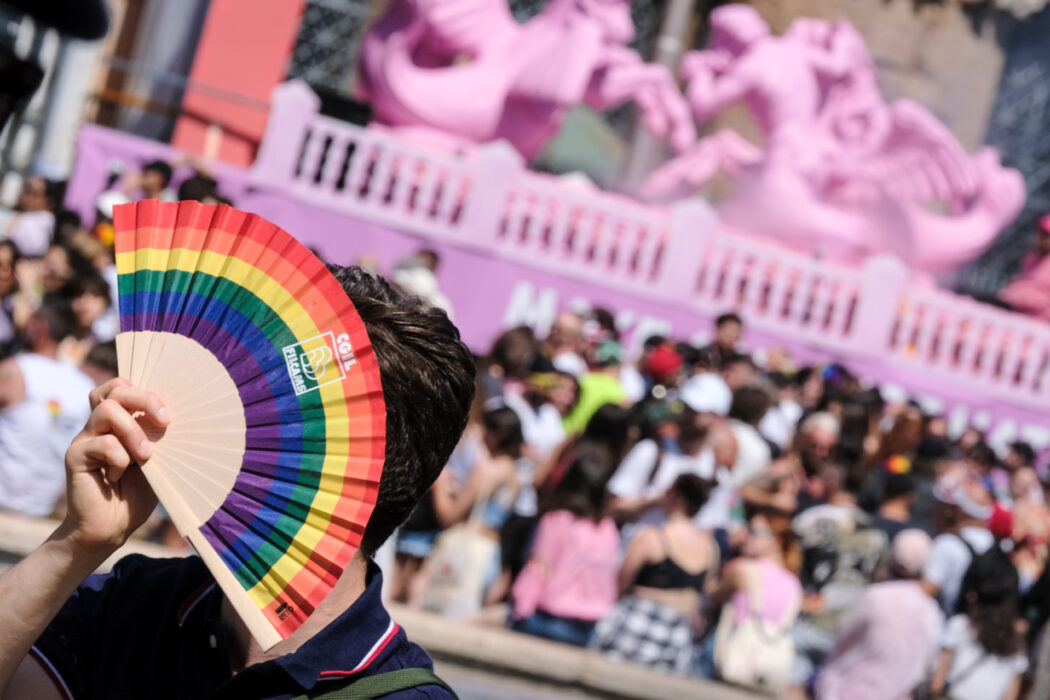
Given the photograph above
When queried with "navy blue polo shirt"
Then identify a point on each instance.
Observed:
(152, 628)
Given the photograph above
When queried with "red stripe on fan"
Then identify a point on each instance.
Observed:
(234, 234)
(374, 652)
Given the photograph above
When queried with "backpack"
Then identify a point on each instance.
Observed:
(382, 684)
(751, 652)
(977, 563)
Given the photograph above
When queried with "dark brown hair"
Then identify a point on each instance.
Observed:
(428, 386)
(582, 490)
(693, 492)
(504, 426)
(750, 404)
(991, 590)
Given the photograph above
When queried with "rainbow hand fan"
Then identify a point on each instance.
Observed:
(271, 463)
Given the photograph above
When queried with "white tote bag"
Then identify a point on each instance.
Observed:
(752, 652)
(458, 566)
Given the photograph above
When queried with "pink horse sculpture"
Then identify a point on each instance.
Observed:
(841, 173)
(459, 72)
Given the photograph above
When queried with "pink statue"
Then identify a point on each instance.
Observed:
(461, 72)
(1029, 292)
(841, 173)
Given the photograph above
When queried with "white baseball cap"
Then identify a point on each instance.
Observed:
(706, 393)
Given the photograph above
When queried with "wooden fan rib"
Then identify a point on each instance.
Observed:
(221, 421)
(160, 481)
(212, 423)
(202, 394)
(202, 502)
(154, 357)
(255, 619)
(125, 341)
(204, 467)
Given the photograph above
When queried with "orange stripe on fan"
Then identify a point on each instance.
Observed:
(227, 232)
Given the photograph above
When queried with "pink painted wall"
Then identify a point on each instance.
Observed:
(244, 48)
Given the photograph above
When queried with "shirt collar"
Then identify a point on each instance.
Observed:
(348, 644)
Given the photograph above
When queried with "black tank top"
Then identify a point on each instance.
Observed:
(667, 574)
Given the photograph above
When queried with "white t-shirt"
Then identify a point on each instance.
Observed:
(753, 455)
(949, 560)
(570, 363)
(779, 424)
(542, 428)
(527, 502)
(718, 511)
(106, 326)
(975, 674)
(631, 480)
(633, 383)
(35, 433)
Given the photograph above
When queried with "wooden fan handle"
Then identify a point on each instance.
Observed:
(253, 617)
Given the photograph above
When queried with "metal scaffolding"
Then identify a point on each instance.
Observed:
(326, 48)
(1019, 130)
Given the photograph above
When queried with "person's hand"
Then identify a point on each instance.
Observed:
(107, 494)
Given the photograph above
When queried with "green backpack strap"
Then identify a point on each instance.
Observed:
(382, 684)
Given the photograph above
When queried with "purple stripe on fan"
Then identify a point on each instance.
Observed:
(261, 403)
(253, 384)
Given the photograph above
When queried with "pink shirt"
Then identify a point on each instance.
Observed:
(779, 591)
(572, 570)
(885, 647)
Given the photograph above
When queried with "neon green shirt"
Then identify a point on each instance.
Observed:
(596, 390)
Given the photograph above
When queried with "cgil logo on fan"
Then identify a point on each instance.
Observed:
(317, 361)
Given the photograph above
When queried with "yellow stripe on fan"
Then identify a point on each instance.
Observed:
(288, 308)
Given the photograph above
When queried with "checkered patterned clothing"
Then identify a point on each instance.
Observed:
(646, 632)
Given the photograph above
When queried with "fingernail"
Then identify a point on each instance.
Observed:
(145, 448)
(163, 414)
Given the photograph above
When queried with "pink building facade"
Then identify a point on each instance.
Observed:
(518, 246)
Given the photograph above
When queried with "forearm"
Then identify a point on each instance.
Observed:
(452, 508)
(1013, 690)
(33, 591)
(940, 676)
(756, 496)
(627, 509)
(721, 588)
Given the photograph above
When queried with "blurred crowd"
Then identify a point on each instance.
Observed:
(705, 512)
(58, 321)
(700, 510)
